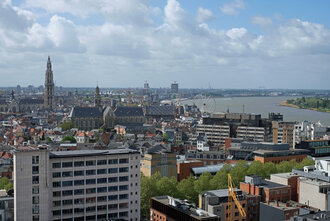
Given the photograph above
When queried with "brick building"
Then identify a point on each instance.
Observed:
(288, 179)
(277, 157)
(184, 168)
(269, 191)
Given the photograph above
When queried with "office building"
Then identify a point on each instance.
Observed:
(77, 185)
(287, 179)
(207, 157)
(317, 148)
(308, 131)
(184, 168)
(256, 134)
(175, 88)
(168, 208)
(215, 133)
(274, 211)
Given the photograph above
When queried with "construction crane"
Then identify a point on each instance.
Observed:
(231, 196)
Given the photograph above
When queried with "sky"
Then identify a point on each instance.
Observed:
(198, 43)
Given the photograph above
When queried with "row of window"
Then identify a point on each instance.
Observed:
(90, 191)
(90, 163)
(89, 182)
(89, 172)
(88, 210)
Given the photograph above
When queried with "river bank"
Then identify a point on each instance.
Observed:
(284, 103)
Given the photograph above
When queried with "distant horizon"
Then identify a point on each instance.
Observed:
(200, 44)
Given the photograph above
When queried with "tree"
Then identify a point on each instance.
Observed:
(165, 137)
(257, 168)
(71, 139)
(6, 184)
(203, 182)
(186, 191)
(220, 180)
(305, 162)
(67, 125)
(167, 186)
(238, 172)
(148, 190)
(270, 168)
(284, 167)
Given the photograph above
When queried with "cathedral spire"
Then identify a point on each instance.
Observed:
(49, 86)
(97, 97)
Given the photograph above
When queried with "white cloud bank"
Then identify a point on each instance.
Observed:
(129, 47)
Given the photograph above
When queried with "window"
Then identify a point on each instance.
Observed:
(124, 160)
(57, 194)
(101, 171)
(79, 210)
(56, 212)
(113, 161)
(35, 218)
(67, 174)
(112, 188)
(103, 207)
(123, 196)
(101, 198)
(91, 163)
(78, 192)
(91, 200)
(113, 197)
(67, 183)
(56, 165)
(113, 206)
(90, 172)
(35, 179)
(90, 190)
(35, 189)
(67, 164)
(123, 169)
(67, 211)
(57, 203)
(35, 200)
(112, 179)
(102, 189)
(123, 178)
(123, 205)
(90, 209)
(35, 209)
(56, 174)
(90, 181)
(35, 159)
(123, 187)
(123, 214)
(113, 170)
(79, 201)
(56, 184)
(79, 173)
(35, 169)
(101, 180)
(79, 182)
(101, 162)
(67, 202)
(79, 164)
(67, 193)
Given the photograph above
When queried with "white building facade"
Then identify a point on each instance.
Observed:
(77, 185)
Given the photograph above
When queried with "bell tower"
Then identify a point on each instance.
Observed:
(49, 87)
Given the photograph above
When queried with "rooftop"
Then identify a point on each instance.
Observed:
(86, 112)
(123, 111)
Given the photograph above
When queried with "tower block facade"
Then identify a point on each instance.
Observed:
(49, 87)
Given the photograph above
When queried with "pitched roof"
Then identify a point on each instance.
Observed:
(30, 101)
(123, 111)
(86, 112)
(160, 110)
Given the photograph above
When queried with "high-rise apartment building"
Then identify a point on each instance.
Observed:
(283, 132)
(175, 87)
(77, 185)
(215, 133)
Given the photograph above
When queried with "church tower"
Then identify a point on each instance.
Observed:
(97, 97)
(49, 87)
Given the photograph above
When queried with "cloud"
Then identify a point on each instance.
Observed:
(233, 8)
(204, 15)
(134, 40)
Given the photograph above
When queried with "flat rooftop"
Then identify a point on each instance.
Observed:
(285, 175)
(81, 153)
(281, 206)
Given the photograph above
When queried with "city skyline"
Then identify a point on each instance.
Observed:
(227, 44)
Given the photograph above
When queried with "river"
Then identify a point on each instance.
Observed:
(261, 105)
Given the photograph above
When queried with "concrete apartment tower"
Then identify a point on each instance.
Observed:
(49, 87)
(77, 185)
